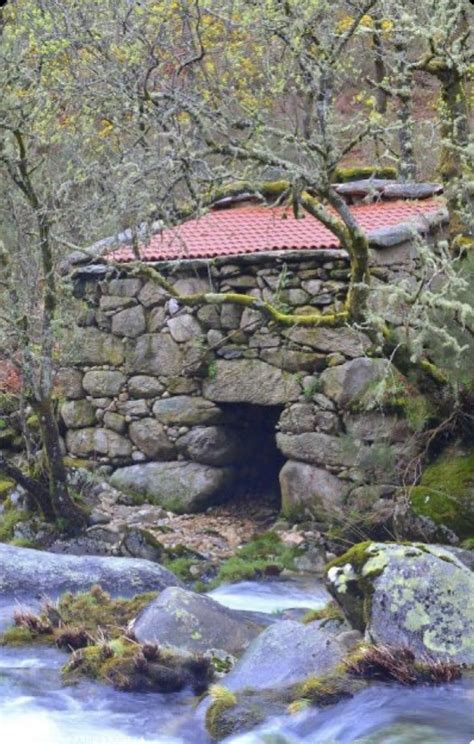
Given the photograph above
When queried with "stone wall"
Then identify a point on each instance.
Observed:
(147, 383)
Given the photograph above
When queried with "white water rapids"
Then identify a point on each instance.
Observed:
(35, 708)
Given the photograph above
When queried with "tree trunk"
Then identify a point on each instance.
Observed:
(452, 166)
(36, 490)
(71, 517)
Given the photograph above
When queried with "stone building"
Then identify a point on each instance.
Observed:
(193, 405)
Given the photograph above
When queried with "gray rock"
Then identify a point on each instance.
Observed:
(133, 407)
(194, 623)
(115, 421)
(230, 316)
(183, 410)
(144, 386)
(348, 341)
(309, 491)
(34, 573)
(92, 441)
(319, 448)
(150, 437)
(111, 303)
(152, 294)
(371, 426)
(156, 319)
(124, 287)
(77, 413)
(347, 383)
(285, 653)
(211, 445)
(192, 285)
(93, 347)
(129, 322)
(298, 418)
(102, 383)
(154, 355)
(184, 328)
(178, 486)
(294, 361)
(250, 381)
(69, 383)
(419, 597)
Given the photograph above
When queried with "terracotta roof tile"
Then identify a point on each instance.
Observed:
(258, 228)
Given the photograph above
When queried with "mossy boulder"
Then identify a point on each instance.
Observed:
(412, 595)
(445, 493)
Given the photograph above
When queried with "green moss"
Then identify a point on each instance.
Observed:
(445, 493)
(8, 521)
(468, 544)
(356, 556)
(327, 689)
(343, 175)
(222, 700)
(332, 611)
(265, 554)
(6, 486)
(91, 613)
(17, 636)
(180, 567)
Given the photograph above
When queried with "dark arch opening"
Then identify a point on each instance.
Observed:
(260, 461)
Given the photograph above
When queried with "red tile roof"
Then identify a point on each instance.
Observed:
(258, 228)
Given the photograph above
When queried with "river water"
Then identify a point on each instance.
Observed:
(36, 708)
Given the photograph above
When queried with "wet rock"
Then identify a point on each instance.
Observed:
(250, 381)
(180, 487)
(194, 623)
(310, 491)
(103, 383)
(33, 573)
(285, 653)
(408, 596)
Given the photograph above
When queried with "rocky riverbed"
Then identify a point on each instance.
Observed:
(279, 636)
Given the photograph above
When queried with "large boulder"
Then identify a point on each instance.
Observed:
(34, 573)
(250, 381)
(285, 653)
(310, 491)
(415, 596)
(181, 487)
(194, 623)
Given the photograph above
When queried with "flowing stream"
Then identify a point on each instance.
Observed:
(36, 708)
